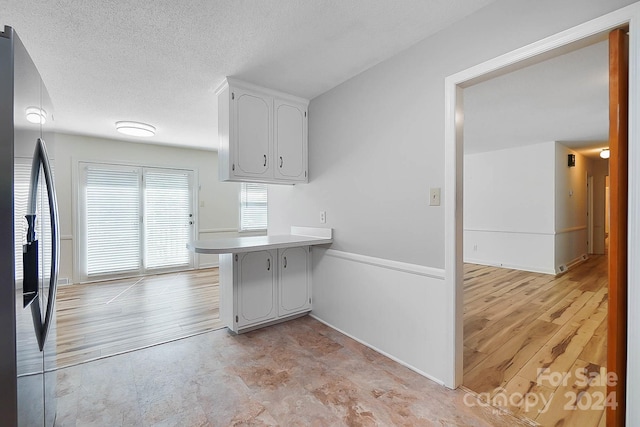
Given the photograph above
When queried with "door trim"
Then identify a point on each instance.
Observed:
(574, 38)
(618, 173)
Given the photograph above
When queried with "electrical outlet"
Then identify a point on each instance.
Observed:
(434, 197)
(323, 217)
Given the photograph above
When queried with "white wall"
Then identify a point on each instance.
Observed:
(570, 208)
(376, 146)
(509, 207)
(524, 208)
(218, 216)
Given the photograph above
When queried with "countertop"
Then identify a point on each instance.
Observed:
(300, 236)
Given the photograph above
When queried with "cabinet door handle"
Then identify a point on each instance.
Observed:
(285, 263)
(268, 264)
(281, 161)
(265, 160)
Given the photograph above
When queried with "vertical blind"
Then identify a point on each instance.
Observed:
(21, 181)
(21, 177)
(136, 218)
(168, 218)
(112, 218)
(253, 206)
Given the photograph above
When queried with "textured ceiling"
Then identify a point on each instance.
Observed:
(564, 99)
(159, 62)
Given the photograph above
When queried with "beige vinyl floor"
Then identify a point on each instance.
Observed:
(304, 373)
(298, 373)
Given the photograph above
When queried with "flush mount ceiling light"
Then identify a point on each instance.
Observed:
(36, 115)
(605, 153)
(135, 129)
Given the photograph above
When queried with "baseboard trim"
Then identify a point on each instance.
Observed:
(510, 266)
(563, 268)
(435, 273)
(395, 359)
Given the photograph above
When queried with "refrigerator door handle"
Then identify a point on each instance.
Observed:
(40, 157)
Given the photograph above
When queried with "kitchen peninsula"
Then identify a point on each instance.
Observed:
(264, 279)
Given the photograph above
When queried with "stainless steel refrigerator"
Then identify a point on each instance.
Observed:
(29, 241)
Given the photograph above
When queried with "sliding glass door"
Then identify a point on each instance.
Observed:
(134, 220)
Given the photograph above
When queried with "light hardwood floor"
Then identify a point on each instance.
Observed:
(100, 319)
(517, 324)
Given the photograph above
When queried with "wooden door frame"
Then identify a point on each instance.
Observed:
(618, 172)
(571, 39)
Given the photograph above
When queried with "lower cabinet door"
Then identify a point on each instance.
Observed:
(256, 288)
(294, 280)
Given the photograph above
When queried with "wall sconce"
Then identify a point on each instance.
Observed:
(571, 160)
(605, 153)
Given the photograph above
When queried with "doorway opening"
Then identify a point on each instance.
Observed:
(531, 278)
(554, 46)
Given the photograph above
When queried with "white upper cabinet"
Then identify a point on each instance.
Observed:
(253, 133)
(290, 140)
(262, 134)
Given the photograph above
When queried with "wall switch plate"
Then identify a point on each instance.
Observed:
(434, 197)
(323, 217)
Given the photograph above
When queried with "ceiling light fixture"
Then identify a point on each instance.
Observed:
(36, 115)
(605, 153)
(135, 129)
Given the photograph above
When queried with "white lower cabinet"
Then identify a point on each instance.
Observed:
(294, 281)
(256, 290)
(263, 287)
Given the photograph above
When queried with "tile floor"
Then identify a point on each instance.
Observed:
(299, 373)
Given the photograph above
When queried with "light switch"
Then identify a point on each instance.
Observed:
(434, 197)
(323, 217)
(202, 203)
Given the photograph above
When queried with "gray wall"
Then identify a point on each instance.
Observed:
(376, 146)
(376, 141)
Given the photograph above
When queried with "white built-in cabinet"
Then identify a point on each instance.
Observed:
(294, 280)
(263, 287)
(262, 134)
(256, 288)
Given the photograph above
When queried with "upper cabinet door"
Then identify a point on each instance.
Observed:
(253, 133)
(290, 140)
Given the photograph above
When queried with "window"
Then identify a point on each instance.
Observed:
(253, 207)
(134, 219)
